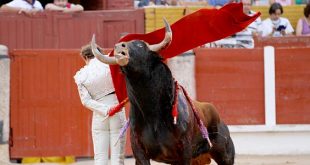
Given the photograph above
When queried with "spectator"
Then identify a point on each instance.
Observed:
(63, 6)
(276, 25)
(28, 7)
(303, 25)
(244, 38)
(219, 3)
(172, 2)
(261, 2)
(299, 2)
(143, 3)
(282, 2)
(193, 2)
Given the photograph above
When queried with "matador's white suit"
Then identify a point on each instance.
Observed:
(95, 87)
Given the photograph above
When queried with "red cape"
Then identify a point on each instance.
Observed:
(193, 30)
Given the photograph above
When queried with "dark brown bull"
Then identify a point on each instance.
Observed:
(151, 91)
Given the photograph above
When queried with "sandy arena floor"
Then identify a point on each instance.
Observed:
(240, 160)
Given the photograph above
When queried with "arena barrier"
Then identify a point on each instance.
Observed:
(50, 30)
(236, 80)
(47, 117)
(53, 30)
(283, 42)
(255, 90)
(262, 93)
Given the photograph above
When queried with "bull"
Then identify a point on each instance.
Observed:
(151, 92)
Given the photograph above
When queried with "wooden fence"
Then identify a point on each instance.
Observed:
(49, 30)
(48, 119)
(233, 79)
(46, 114)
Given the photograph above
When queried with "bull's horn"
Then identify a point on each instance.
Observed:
(101, 57)
(166, 41)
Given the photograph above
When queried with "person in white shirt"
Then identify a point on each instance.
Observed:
(275, 25)
(97, 93)
(28, 7)
(63, 6)
(244, 38)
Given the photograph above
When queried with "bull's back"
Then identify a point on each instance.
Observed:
(208, 113)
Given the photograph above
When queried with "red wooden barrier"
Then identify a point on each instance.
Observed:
(286, 42)
(47, 117)
(292, 85)
(63, 30)
(233, 80)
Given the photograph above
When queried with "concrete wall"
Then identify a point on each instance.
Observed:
(183, 70)
(4, 104)
(4, 93)
(276, 142)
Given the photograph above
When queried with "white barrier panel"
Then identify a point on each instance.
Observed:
(4, 92)
(183, 70)
(270, 90)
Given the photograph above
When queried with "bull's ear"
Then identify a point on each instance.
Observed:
(166, 41)
(101, 57)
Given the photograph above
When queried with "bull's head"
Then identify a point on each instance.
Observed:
(133, 51)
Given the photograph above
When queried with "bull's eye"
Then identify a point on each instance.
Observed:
(123, 45)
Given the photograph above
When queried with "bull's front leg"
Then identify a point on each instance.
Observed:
(138, 152)
(140, 156)
(186, 152)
